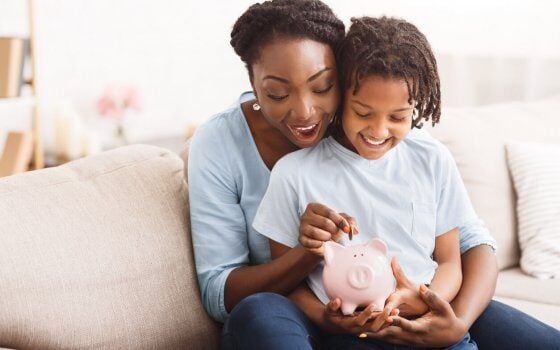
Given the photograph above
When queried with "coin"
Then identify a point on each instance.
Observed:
(351, 233)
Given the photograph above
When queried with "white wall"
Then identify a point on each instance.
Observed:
(178, 52)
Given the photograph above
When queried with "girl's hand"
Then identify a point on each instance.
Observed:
(406, 298)
(360, 323)
(337, 323)
(320, 224)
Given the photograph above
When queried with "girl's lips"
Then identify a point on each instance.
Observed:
(305, 133)
(375, 145)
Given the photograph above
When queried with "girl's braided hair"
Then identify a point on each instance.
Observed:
(391, 48)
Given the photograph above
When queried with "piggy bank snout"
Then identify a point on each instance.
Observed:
(360, 276)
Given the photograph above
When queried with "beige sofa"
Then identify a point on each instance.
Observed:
(96, 253)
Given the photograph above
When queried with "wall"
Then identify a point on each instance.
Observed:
(178, 53)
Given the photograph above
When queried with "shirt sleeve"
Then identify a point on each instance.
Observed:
(455, 208)
(278, 216)
(219, 231)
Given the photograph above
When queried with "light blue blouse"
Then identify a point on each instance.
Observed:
(227, 181)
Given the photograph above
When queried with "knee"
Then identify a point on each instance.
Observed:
(257, 305)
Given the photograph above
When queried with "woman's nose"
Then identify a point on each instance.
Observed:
(303, 109)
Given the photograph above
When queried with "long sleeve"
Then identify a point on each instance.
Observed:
(219, 230)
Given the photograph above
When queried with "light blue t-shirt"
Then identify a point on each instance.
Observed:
(227, 180)
(410, 196)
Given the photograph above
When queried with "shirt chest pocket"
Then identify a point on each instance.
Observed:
(424, 223)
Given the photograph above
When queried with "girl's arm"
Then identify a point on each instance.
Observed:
(447, 279)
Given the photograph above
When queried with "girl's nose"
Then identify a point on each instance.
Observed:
(378, 129)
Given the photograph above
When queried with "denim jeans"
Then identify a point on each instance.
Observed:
(270, 321)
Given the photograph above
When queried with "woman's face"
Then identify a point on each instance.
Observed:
(296, 85)
(377, 117)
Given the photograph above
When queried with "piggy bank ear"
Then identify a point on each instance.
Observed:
(331, 249)
(378, 245)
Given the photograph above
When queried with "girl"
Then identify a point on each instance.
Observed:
(400, 186)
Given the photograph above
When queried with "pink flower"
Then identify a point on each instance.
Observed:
(117, 99)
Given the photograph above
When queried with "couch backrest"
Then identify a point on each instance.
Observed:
(476, 137)
(97, 254)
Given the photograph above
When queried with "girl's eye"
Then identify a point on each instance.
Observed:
(322, 91)
(397, 119)
(277, 98)
(362, 115)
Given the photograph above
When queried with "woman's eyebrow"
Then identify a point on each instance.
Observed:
(286, 81)
(316, 75)
(273, 77)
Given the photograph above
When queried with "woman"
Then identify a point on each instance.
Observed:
(288, 47)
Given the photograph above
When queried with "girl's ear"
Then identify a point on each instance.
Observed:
(331, 249)
(378, 245)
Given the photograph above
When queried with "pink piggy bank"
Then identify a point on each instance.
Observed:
(359, 275)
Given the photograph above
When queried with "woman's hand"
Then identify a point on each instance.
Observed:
(320, 224)
(406, 297)
(439, 327)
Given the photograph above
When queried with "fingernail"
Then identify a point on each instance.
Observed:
(389, 320)
(346, 229)
(423, 288)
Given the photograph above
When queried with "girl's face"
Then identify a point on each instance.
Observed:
(295, 82)
(377, 117)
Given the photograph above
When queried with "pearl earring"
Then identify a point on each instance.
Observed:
(256, 106)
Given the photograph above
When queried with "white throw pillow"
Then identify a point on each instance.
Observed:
(535, 169)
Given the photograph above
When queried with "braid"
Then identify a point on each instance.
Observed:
(392, 48)
(264, 22)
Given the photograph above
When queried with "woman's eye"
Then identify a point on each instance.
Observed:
(322, 91)
(277, 98)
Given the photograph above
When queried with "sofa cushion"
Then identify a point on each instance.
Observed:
(549, 314)
(476, 137)
(97, 254)
(535, 169)
(514, 283)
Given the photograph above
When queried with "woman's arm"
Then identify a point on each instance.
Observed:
(447, 279)
(480, 273)
(280, 275)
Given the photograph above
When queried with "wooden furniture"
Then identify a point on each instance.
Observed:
(23, 150)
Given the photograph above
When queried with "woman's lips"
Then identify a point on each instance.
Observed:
(305, 132)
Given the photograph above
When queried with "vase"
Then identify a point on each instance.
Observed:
(119, 138)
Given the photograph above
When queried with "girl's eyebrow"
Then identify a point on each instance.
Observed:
(369, 107)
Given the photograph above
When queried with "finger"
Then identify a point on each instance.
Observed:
(315, 232)
(434, 302)
(395, 335)
(309, 243)
(364, 316)
(380, 320)
(393, 313)
(407, 325)
(351, 221)
(398, 272)
(393, 301)
(322, 223)
(333, 306)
